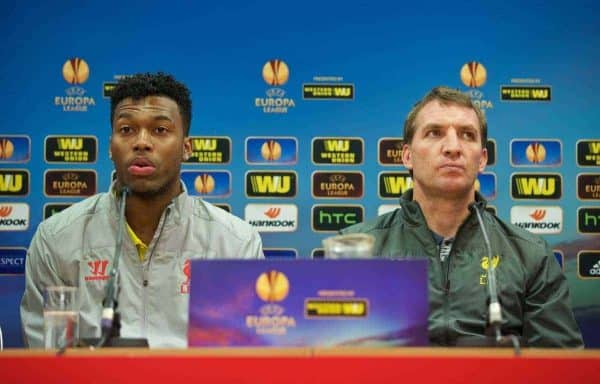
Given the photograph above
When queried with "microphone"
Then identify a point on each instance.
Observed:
(494, 308)
(110, 303)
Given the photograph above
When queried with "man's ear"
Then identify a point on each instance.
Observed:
(407, 156)
(187, 148)
(484, 159)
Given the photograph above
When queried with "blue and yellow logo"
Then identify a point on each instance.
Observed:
(485, 184)
(535, 153)
(15, 149)
(272, 150)
(207, 183)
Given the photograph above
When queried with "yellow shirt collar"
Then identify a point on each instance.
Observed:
(139, 244)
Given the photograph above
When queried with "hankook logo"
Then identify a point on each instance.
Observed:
(272, 286)
(67, 183)
(337, 185)
(70, 149)
(271, 150)
(473, 74)
(335, 217)
(588, 153)
(75, 71)
(14, 182)
(393, 184)
(271, 184)
(337, 150)
(14, 217)
(537, 219)
(272, 217)
(536, 186)
(538, 214)
(588, 186)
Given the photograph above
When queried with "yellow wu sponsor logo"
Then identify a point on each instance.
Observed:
(204, 144)
(538, 93)
(342, 91)
(534, 186)
(594, 147)
(271, 184)
(337, 145)
(397, 185)
(11, 183)
(69, 143)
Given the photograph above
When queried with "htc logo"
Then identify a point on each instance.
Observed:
(588, 220)
(335, 217)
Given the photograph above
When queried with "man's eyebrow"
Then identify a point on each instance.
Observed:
(163, 117)
(123, 114)
(432, 125)
(470, 127)
(128, 115)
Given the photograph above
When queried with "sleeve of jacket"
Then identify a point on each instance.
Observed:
(39, 273)
(252, 248)
(549, 320)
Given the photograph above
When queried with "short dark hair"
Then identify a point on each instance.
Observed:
(444, 95)
(142, 85)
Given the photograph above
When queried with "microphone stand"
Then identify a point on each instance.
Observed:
(110, 323)
(494, 307)
(108, 326)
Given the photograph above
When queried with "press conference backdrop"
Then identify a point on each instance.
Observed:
(298, 113)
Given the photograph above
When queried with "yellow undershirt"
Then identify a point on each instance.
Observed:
(139, 244)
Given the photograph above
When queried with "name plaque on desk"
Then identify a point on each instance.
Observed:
(303, 302)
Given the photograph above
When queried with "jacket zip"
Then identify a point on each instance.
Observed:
(445, 269)
(146, 268)
(446, 280)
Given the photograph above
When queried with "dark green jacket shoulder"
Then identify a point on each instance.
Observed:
(532, 288)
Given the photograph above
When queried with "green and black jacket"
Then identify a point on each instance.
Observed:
(532, 289)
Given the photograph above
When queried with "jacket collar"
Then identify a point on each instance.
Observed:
(177, 209)
(411, 210)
